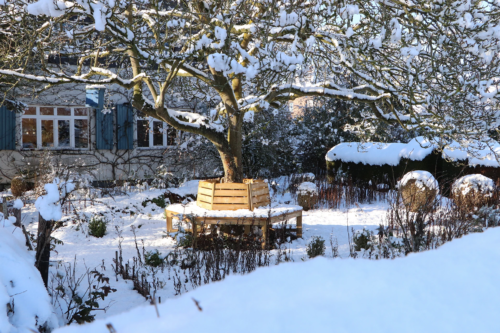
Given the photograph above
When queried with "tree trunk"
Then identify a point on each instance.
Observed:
(232, 160)
(43, 248)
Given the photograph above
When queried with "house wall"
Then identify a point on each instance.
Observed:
(102, 164)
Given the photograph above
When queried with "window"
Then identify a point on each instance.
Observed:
(153, 133)
(55, 127)
(290, 107)
(310, 103)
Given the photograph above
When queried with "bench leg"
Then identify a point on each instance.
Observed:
(169, 221)
(265, 230)
(299, 225)
(195, 233)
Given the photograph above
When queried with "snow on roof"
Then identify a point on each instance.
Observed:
(378, 153)
(452, 289)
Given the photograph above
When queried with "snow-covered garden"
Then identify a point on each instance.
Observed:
(210, 165)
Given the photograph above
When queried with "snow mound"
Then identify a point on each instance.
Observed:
(307, 188)
(477, 183)
(377, 153)
(452, 289)
(423, 179)
(48, 205)
(21, 286)
(189, 187)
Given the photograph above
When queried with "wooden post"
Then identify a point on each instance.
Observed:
(194, 232)
(213, 197)
(169, 221)
(43, 248)
(298, 222)
(4, 210)
(17, 215)
(250, 198)
(265, 230)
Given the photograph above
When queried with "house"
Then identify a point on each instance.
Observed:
(113, 143)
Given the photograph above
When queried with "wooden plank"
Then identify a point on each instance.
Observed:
(230, 193)
(213, 195)
(260, 185)
(205, 191)
(231, 200)
(229, 206)
(260, 198)
(230, 186)
(249, 196)
(256, 193)
(204, 198)
(205, 205)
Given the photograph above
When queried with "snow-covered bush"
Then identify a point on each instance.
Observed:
(307, 195)
(316, 247)
(153, 258)
(418, 190)
(24, 303)
(472, 192)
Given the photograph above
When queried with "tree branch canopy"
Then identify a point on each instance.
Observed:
(431, 65)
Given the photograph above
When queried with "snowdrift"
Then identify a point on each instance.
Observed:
(452, 289)
(21, 286)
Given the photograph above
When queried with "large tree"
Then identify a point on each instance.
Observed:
(428, 64)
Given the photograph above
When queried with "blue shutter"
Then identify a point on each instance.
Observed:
(7, 129)
(94, 97)
(104, 129)
(125, 126)
(103, 121)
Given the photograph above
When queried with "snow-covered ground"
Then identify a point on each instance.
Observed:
(344, 294)
(125, 211)
(452, 289)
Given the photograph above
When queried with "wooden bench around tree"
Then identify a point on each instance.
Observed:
(258, 217)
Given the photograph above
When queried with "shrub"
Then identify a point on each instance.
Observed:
(472, 192)
(418, 190)
(18, 186)
(97, 226)
(361, 240)
(153, 258)
(316, 247)
(159, 201)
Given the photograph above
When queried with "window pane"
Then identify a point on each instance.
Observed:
(63, 129)
(81, 111)
(171, 136)
(81, 133)
(47, 133)
(29, 133)
(46, 111)
(157, 133)
(64, 111)
(31, 111)
(142, 133)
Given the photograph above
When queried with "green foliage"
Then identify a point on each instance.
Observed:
(316, 247)
(159, 201)
(361, 240)
(97, 226)
(153, 258)
(186, 240)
